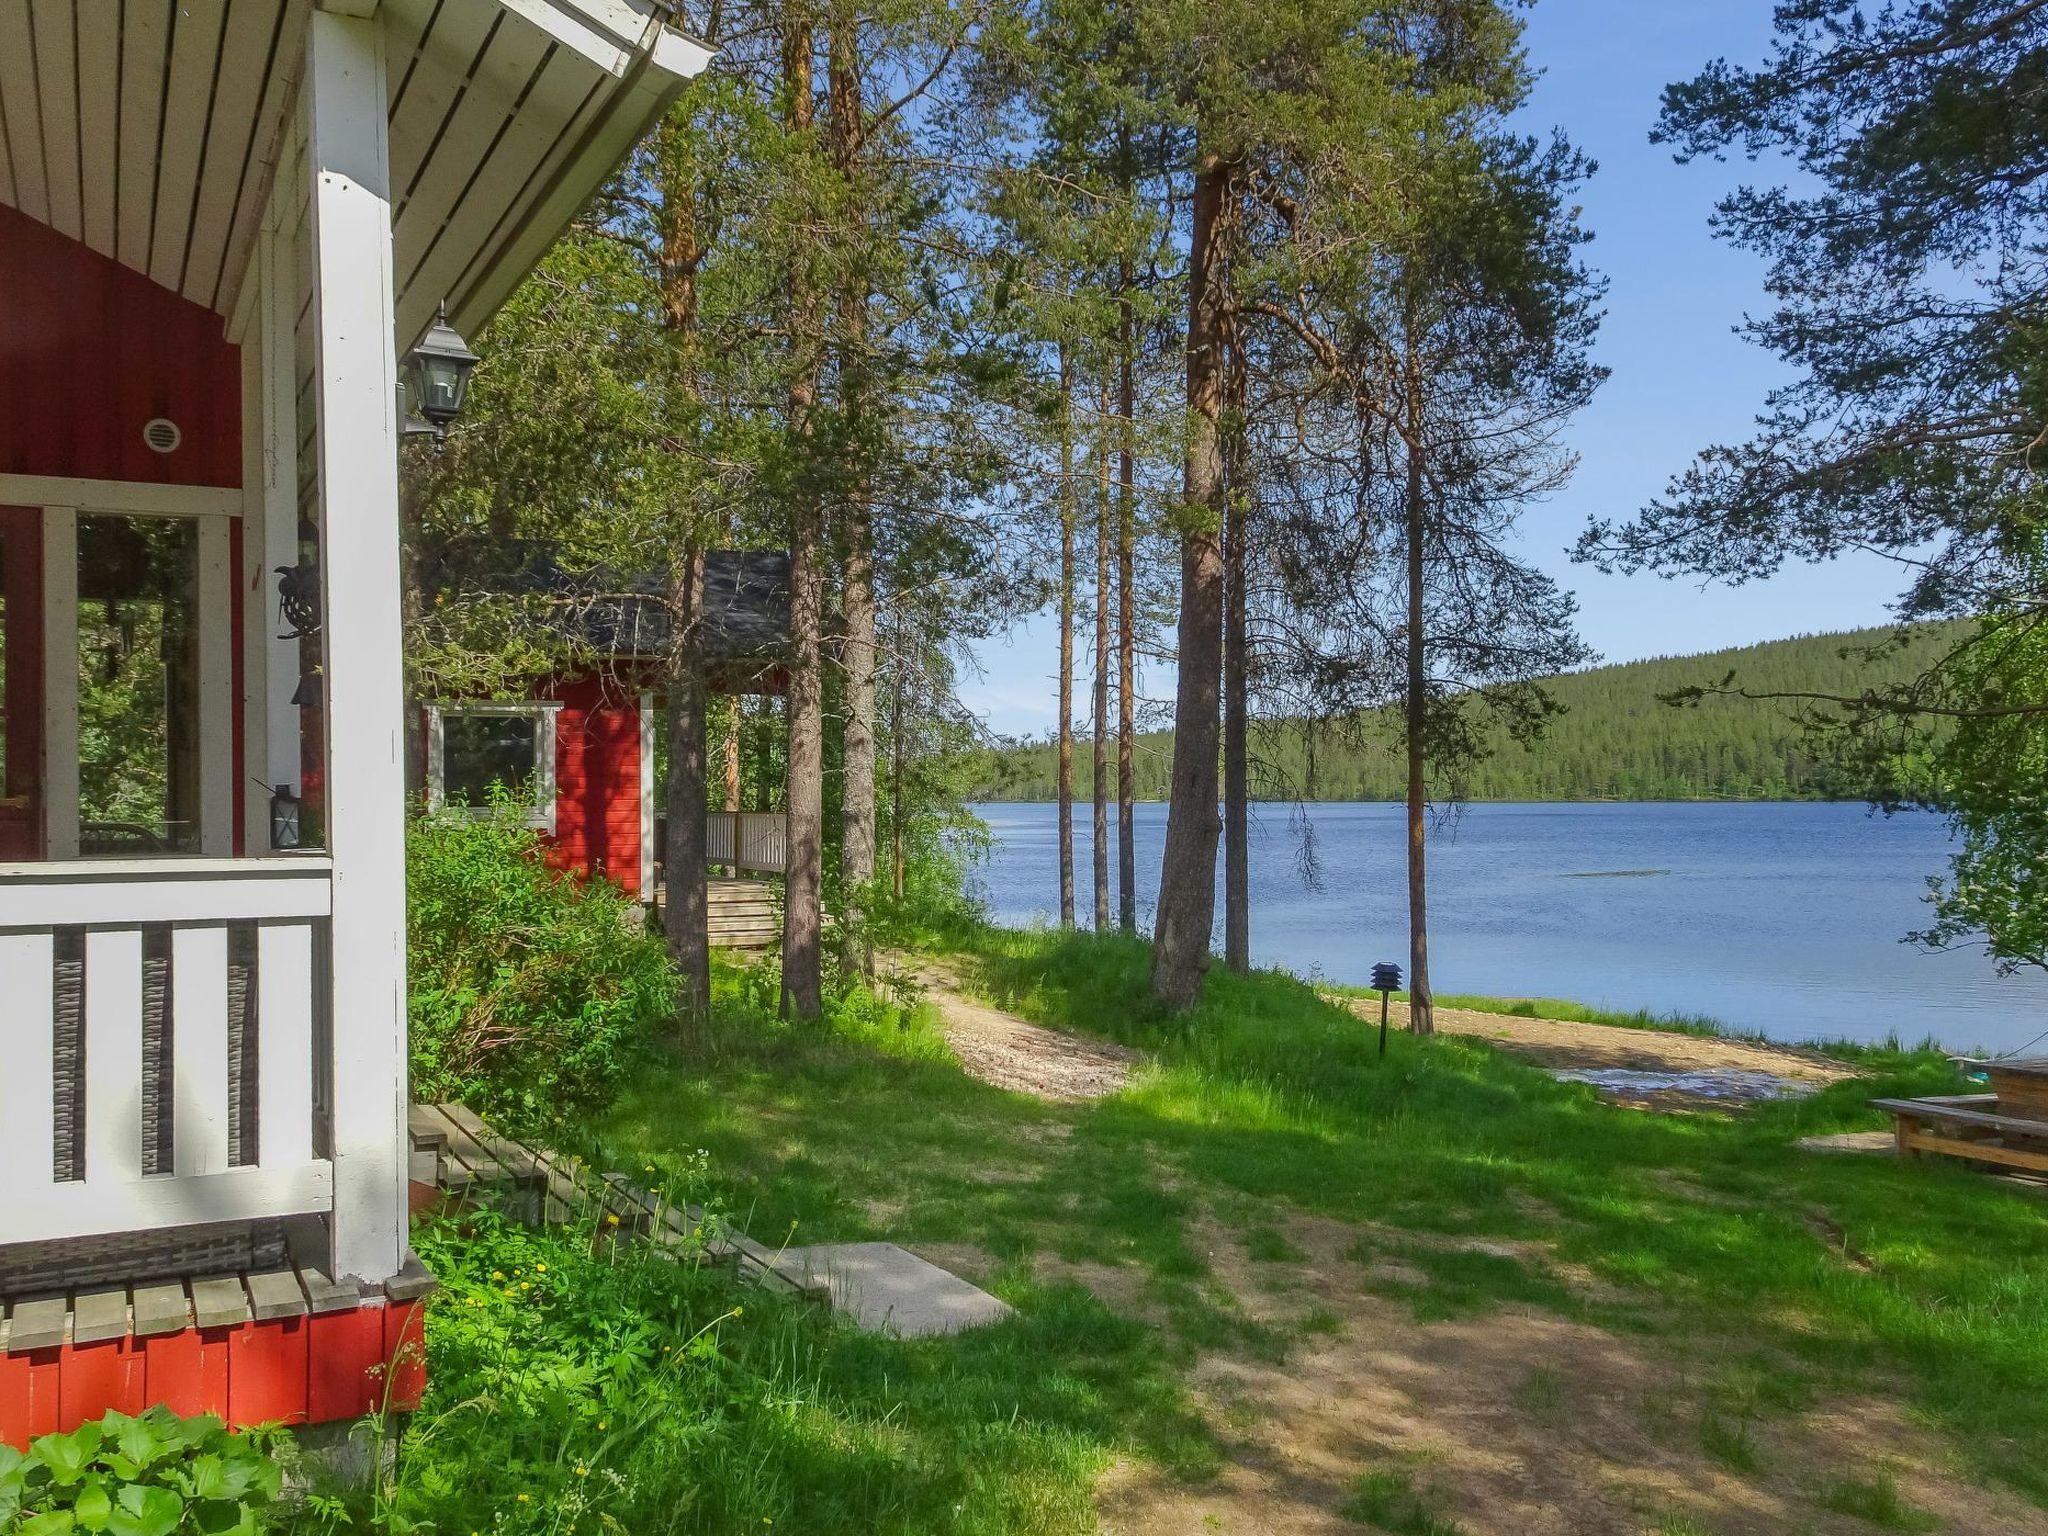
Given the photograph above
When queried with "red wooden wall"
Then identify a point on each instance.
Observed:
(597, 779)
(294, 1370)
(89, 351)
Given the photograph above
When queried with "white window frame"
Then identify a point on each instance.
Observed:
(541, 813)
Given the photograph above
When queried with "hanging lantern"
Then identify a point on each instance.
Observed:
(437, 378)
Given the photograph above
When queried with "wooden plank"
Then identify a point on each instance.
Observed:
(274, 165)
(99, 113)
(516, 1159)
(145, 43)
(113, 1045)
(37, 1322)
(161, 1309)
(60, 692)
(22, 109)
(27, 1116)
(470, 1153)
(239, 86)
(188, 96)
(412, 1281)
(1976, 1151)
(199, 1038)
(324, 1294)
(426, 1128)
(219, 1302)
(98, 1206)
(56, 67)
(274, 1294)
(432, 87)
(217, 640)
(284, 1033)
(99, 1315)
(1925, 1109)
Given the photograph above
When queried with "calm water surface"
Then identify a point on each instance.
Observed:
(1782, 918)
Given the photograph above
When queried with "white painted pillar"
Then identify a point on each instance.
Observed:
(355, 444)
(277, 534)
(251, 335)
(217, 702)
(60, 682)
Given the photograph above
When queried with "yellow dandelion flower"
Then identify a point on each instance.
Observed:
(524, 1499)
(611, 1221)
(583, 1471)
(540, 1269)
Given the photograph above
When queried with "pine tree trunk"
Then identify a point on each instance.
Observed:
(857, 852)
(1066, 744)
(897, 753)
(686, 916)
(1126, 610)
(1237, 890)
(804, 879)
(1421, 1009)
(1187, 876)
(685, 912)
(1102, 664)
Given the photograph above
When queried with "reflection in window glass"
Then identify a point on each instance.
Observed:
(479, 750)
(138, 686)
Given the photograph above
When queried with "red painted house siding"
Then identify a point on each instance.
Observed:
(90, 351)
(597, 780)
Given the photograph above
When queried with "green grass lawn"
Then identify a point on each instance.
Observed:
(1812, 1274)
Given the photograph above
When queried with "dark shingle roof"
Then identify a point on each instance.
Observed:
(746, 611)
(626, 617)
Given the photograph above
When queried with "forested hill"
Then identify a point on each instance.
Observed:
(1616, 741)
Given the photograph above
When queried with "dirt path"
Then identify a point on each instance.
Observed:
(1515, 1423)
(1002, 1049)
(1560, 1043)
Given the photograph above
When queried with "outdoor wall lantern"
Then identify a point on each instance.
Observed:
(437, 379)
(284, 818)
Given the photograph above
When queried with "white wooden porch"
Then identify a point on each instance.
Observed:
(203, 1038)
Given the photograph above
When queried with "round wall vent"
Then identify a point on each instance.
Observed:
(162, 435)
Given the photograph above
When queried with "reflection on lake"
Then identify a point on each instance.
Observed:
(1785, 918)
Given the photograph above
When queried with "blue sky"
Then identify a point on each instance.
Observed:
(1681, 378)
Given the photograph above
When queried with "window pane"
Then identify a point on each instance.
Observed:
(138, 686)
(481, 750)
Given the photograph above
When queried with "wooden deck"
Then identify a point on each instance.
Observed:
(462, 1156)
(286, 1345)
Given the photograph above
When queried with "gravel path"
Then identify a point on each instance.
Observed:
(1002, 1049)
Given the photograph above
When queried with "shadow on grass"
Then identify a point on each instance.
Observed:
(1927, 1281)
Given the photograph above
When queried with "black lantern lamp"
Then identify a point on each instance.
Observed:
(437, 379)
(284, 819)
(1386, 978)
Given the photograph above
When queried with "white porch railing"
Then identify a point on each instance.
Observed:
(159, 1021)
(751, 840)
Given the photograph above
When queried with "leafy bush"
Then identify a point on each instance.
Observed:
(530, 988)
(157, 1475)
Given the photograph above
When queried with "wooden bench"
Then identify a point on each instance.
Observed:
(1968, 1126)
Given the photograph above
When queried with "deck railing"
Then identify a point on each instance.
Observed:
(757, 841)
(161, 1034)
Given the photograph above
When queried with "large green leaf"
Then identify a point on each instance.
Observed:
(67, 1456)
(144, 1511)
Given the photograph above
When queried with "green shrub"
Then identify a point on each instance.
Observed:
(157, 1475)
(530, 989)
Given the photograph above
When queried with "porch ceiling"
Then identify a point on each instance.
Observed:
(151, 131)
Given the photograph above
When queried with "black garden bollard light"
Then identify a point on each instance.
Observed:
(1386, 978)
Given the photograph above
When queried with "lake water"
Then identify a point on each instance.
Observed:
(1784, 918)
